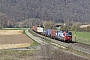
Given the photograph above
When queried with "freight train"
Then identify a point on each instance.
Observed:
(62, 35)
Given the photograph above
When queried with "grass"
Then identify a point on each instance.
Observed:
(10, 52)
(15, 54)
(35, 43)
(23, 32)
(83, 37)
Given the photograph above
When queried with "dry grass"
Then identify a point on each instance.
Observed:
(10, 32)
(7, 46)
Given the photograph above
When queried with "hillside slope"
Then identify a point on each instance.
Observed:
(56, 10)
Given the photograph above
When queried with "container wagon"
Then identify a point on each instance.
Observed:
(34, 28)
(52, 33)
(47, 32)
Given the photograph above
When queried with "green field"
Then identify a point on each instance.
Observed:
(83, 37)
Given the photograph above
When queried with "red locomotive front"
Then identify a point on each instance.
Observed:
(68, 36)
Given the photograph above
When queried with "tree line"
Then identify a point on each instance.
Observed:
(6, 22)
(67, 26)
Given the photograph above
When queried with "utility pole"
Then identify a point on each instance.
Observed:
(75, 34)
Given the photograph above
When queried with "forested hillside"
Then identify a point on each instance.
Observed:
(56, 10)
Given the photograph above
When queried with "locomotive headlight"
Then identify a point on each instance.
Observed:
(68, 37)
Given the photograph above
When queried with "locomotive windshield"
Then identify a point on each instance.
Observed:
(68, 34)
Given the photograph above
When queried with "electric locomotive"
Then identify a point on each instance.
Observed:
(65, 36)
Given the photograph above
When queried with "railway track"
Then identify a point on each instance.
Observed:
(82, 45)
(77, 46)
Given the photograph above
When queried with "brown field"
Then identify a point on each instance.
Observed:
(13, 39)
(10, 32)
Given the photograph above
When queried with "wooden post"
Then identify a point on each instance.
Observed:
(75, 34)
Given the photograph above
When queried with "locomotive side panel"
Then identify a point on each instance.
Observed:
(59, 35)
(40, 29)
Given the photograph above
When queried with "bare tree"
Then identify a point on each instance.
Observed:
(49, 25)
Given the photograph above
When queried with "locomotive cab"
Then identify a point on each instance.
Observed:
(67, 36)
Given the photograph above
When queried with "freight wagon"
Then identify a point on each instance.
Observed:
(34, 28)
(52, 33)
(47, 32)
